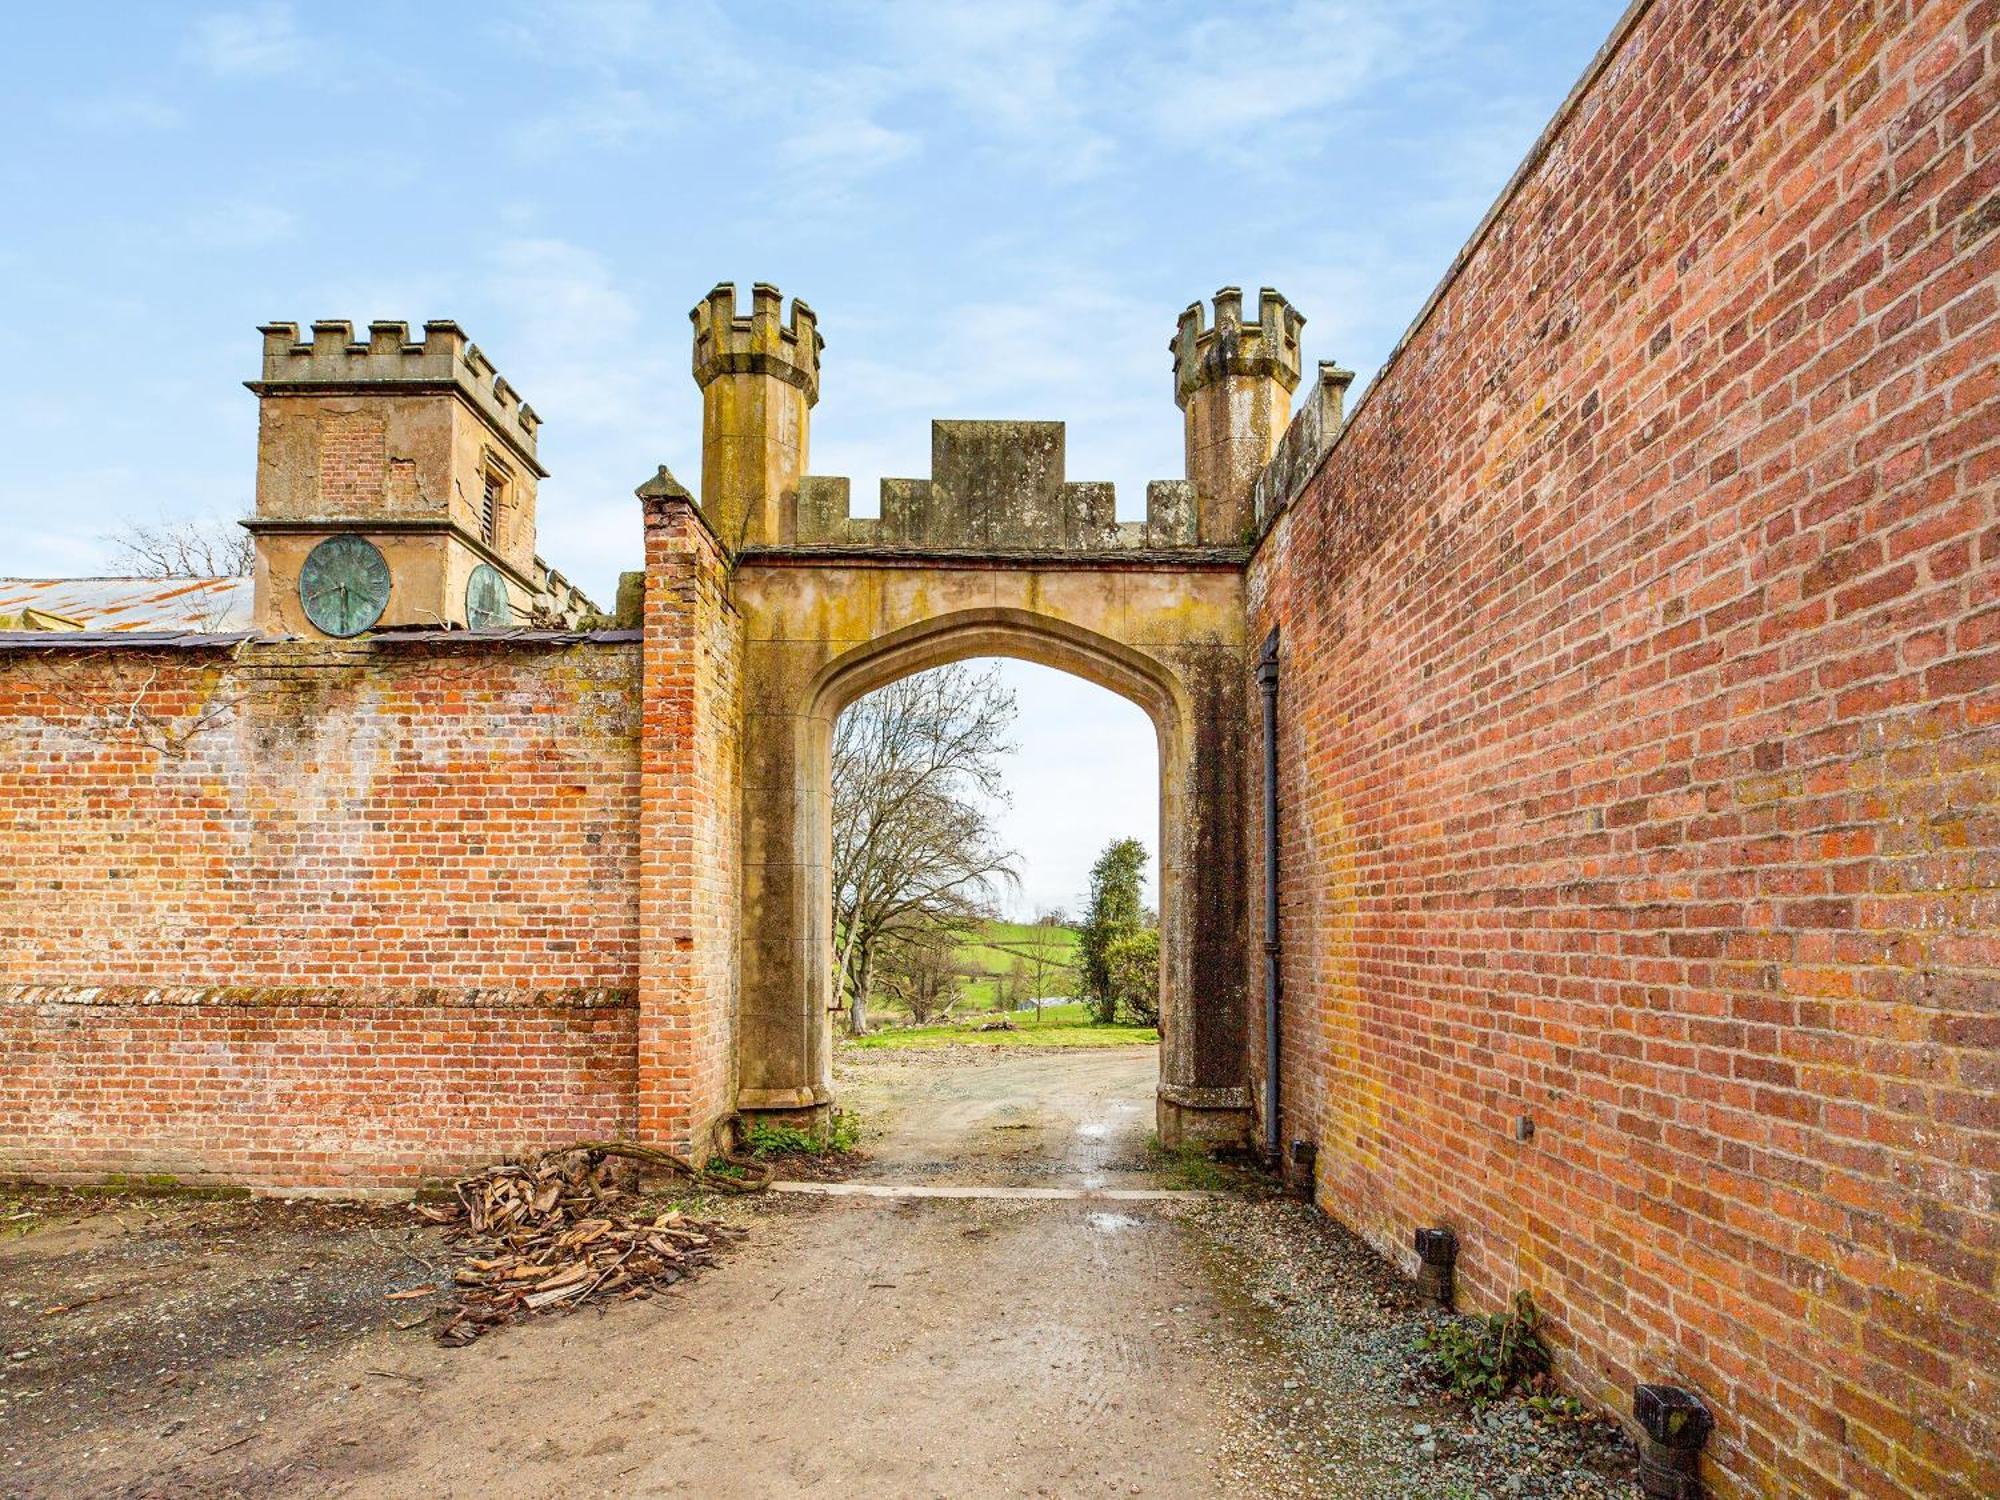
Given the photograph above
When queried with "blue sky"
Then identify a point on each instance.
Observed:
(997, 209)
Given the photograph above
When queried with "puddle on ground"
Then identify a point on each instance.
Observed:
(1094, 1130)
(1111, 1223)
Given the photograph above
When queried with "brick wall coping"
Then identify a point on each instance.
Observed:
(1114, 560)
(160, 640)
(138, 640)
(392, 638)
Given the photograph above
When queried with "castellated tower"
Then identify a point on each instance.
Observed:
(395, 483)
(759, 377)
(1234, 385)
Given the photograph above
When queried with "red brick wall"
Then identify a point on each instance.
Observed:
(690, 876)
(1641, 737)
(315, 916)
(340, 1090)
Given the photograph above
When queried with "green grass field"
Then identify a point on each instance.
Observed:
(988, 959)
(992, 953)
(1060, 1026)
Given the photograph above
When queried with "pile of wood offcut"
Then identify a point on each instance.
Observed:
(555, 1234)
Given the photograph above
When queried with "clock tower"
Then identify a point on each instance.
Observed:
(395, 484)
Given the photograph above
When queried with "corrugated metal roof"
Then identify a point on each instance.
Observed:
(119, 604)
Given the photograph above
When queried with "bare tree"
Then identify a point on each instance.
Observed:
(916, 767)
(185, 549)
(917, 964)
(1015, 985)
(1048, 953)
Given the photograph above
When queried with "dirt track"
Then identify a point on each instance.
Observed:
(1080, 1118)
(964, 1348)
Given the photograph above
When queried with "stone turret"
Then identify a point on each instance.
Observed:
(759, 377)
(415, 447)
(1234, 383)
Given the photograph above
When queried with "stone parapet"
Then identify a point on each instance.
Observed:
(1233, 382)
(1307, 440)
(1266, 349)
(760, 344)
(332, 357)
(759, 378)
(995, 486)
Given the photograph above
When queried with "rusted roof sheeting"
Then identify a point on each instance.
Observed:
(175, 605)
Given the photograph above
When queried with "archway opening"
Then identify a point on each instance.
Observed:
(815, 645)
(994, 915)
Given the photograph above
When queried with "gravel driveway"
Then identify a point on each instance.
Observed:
(960, 1347)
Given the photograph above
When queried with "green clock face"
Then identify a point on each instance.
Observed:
(344, 585)
(486, 606)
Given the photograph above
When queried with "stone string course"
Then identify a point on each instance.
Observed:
(1640, 720)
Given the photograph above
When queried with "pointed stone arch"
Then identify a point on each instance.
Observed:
(821, 629)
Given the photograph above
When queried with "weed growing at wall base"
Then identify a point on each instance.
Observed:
(1482, 1359)
(765, 1139)
(1187, 1166)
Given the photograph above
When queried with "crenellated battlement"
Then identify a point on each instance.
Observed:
(764, 343)
(994, 486)
(1268, 347)
(388, 359)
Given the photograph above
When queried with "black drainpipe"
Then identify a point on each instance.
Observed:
(1267, 684)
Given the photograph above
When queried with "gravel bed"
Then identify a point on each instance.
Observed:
(1352, 1414)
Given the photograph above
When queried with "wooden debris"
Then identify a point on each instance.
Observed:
(552, 1235)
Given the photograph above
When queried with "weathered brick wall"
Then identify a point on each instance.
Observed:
(1641, 732)
(690, 875)
(315, 916)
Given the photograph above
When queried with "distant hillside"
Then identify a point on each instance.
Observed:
(994, 949)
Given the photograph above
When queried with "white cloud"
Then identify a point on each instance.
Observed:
(689, 37)
(820, 120)
(119, 113)
(1086, 772)
(852, 147)
(1221, 84)
(586, 354)
(1061, 91)
(563, 295)
(240, 224)
(259, 40)
(608, 116)
(1017, 70)
(590, 27)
